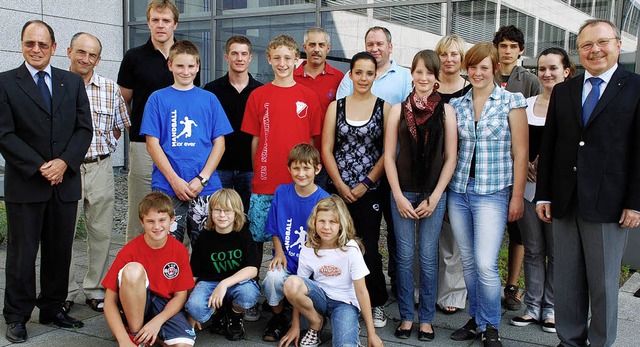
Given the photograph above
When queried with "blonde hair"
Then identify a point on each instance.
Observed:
(347, 230)
(284, 40)
(304, 153)
(159, 5)
(228, 199)
(449, 41)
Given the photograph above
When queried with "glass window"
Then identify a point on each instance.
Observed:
(527, 24)
(188, 9)
(631, 17)
(250, 6)
(550, 36)
(475, 21)
(583, 5)
(260, 30)
(197, 32)
(422, 17)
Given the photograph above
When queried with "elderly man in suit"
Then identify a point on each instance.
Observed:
(589, 185)
(45, 131)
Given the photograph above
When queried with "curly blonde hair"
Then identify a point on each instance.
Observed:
(227, 199)
(347, 230)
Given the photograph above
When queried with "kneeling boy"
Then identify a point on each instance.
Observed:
(148, 282)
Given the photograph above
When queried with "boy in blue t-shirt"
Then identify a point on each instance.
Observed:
(185, 128)
(287, 224)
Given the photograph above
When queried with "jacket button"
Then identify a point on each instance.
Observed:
(581, 143)
(575, 169)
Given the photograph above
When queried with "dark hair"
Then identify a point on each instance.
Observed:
(304, 153)
(430, 59)
(511, 33)
(363, 56)
(243, 40)
(566, 61)
(37, 21)
(386, 32)
(77, 35)
(156, 201)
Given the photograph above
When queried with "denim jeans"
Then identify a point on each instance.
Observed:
(428, 232)
(273, 285)
(240, 181)
(244, 294)
(478, 223)
(344, 317)
(537, 238)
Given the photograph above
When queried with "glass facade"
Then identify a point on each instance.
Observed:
(414, 24)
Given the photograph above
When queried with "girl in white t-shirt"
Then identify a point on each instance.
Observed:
(332, 254)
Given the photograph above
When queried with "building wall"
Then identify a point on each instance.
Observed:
(102, 18)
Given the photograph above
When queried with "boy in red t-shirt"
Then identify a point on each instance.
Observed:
(148, 282)
(279, 115)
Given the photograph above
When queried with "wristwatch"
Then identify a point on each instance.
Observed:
(203, 180)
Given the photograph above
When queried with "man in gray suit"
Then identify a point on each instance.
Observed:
(589, 184)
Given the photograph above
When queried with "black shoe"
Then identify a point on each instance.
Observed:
(401, 333)
(512, 300)
(637, 293)
(277, 326)
(62, 320)
(426, 336)
(16, 332)
(67, 305)
(235, 327)
(490, 337)
(219, 322)
(467, 332)
(520, 321)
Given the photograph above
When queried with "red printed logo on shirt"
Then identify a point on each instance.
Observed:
(330, 270)
(301, 109)
(171, 270)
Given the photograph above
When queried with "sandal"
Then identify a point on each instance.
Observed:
(96, 304)
(448, 309)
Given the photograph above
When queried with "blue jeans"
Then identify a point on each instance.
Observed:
(428, 230)
(344, 317)
(273, 285)
(478, 223)
(240, 181)
(244, 294)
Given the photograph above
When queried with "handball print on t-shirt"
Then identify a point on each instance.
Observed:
(330, 270)
(301, 109)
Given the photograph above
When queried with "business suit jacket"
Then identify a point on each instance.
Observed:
(31, 135)
(596, 166)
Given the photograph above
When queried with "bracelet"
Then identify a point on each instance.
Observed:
(367, 182)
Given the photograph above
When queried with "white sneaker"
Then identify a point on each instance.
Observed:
(310, 339)
(379, 318)
(252, 314)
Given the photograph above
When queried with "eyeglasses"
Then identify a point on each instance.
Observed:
(587, 46)
(218, 211)
(31, 44)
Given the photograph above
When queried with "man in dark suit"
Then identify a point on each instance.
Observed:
(45, 131)
(589, 184)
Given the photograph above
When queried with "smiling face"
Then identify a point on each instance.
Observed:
(317, 47)
(184, 68)
(37, 46)
(303, 174)
(156, 227)
(328, 228)
(161, 23)
(551, 71)
(282, 60)
(423, 79)
(363, 74)
(481, 75)
(598, 59)
(238, 58)
(223, 218)
(84, 55)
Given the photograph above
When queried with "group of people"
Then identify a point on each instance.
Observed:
(311, 162)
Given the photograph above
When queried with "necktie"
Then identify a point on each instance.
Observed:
(591, 100)
(44, 90)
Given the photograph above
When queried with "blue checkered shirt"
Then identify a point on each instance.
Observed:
(491, 141)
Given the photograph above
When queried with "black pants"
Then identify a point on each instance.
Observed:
(367, 216)
(47, 224)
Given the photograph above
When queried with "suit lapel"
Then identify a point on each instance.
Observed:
(26, 83)
(576, 97)
(613, 87)
(58, 88)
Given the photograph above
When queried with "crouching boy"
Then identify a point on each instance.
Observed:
(148, 282)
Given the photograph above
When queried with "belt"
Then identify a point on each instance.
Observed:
(96, 159)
